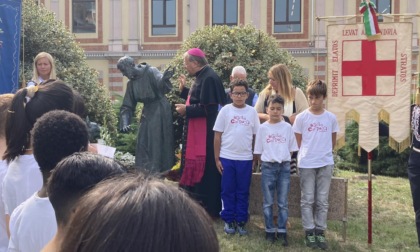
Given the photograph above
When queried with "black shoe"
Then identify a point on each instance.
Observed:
(241, 228)
(271, 237)
(230, 228)
(283, 238)
(321, 242)
(310, 240)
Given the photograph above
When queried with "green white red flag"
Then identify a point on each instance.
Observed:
(370, 20)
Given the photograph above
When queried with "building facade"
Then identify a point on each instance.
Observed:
(153, 30)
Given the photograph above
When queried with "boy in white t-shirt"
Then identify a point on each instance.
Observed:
(56, 134)
(234, 132)
(316, 131)
(274, 144)
(73, 177)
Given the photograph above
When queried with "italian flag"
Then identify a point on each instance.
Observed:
(370, 20)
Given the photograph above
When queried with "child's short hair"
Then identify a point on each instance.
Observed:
(124, 207)
(275, 99)
(317, 88)
(75, 175)
(238, 83)
(5, 101)
(56, 135)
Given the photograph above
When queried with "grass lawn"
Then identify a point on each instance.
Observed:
(392, 221)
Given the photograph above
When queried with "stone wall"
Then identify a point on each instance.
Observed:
(337, 199)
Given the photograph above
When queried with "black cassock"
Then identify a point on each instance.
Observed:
(205, 97)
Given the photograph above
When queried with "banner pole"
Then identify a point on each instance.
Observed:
(370, 198)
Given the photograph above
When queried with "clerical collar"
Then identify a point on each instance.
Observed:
(200, 71)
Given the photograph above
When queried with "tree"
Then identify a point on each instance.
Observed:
(42, 32)
(226, 47)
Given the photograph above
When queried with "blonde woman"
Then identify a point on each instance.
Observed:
(43, 69)
(280, 82)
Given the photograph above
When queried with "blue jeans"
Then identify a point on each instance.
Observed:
(275, 176)
(315, 188)
(236, 180)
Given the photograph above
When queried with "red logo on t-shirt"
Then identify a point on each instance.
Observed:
(241, 120)
(317, 127)
(275, 138)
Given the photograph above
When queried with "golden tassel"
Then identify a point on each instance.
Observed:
(353, 115)
(399, 147)
(340, 143)
(383, 116)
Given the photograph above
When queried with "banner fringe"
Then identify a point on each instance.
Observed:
(399, 147)
(340, 143)
(384, 116)
(353, 115)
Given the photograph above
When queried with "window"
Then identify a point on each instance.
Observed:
(287, 16)
(163, 17)
(382, 7)
(84, 16)
(225, 12)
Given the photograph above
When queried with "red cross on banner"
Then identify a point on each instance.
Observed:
(369, 67)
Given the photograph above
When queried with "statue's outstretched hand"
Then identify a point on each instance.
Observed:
(125, 120)
(168, 73)
(125, 129)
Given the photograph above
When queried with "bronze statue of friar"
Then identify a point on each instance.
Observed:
(155, 138)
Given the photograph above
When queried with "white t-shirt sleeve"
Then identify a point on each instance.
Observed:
(33, 225)
(292, 143)
(23, 178)
(256, 122)
(14, 223)
(258, 147)
(219, 125)
(297, 125)
(6, 197)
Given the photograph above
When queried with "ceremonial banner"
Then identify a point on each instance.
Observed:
(369, 81)
(10, 20)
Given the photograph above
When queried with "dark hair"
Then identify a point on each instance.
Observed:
(57, 134)
(5, 101)
(75, 175)
(23, 113)
(136, 213)
(275, 99)
(202, 61)
(79, 107)
(238, 83)
(317, 88)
